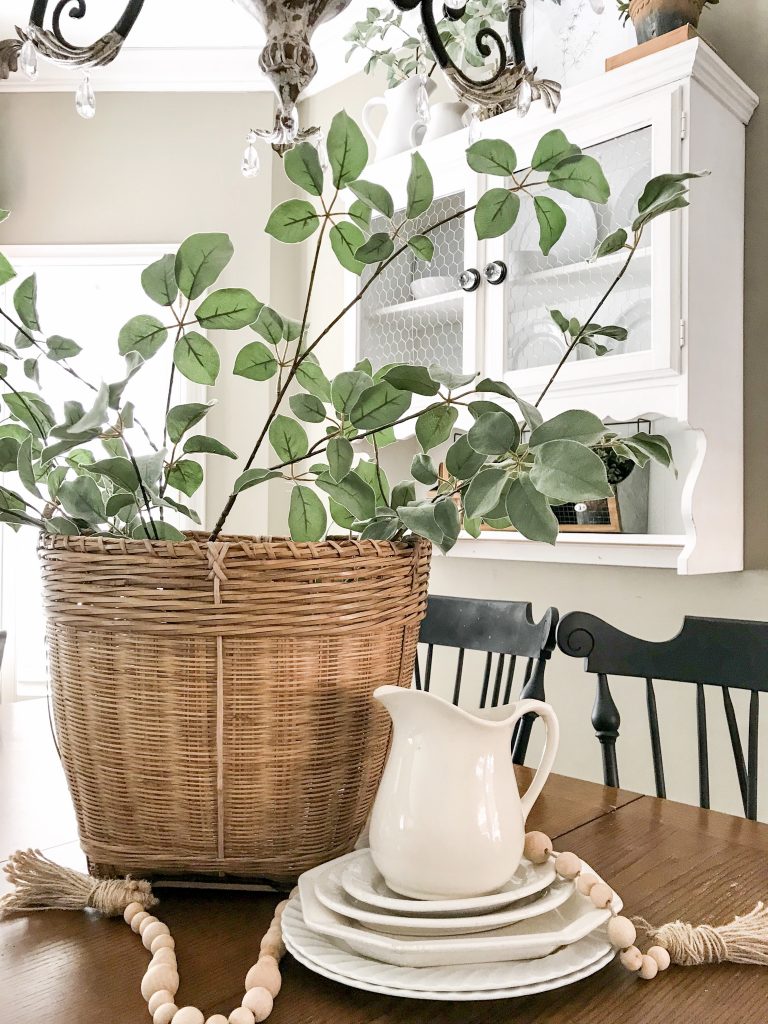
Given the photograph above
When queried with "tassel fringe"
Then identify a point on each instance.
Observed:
(43, 885)
(743, 941)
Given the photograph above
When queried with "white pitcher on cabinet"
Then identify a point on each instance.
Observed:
(448, 821)
(401, 105)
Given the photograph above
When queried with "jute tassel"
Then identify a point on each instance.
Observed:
(43, 885)
(743, 941)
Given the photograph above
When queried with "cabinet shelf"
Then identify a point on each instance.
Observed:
(574, 278)
(447, 307)
(647, 550)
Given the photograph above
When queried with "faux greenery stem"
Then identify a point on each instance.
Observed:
(26, 405)
(143, 490)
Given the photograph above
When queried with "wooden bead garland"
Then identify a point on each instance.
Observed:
(161, 981)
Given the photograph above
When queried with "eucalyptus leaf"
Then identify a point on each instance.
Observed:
(25, 303)
(346, 238)
(462, 461)
(159, 280)
(352, 493)
(530, 512)
(119, 470)
(32, 370)
(493, 433)
(374, 195)
(207, 445)
(434, 426)
(420, 519)
(340, 455)
(302, 166)
(182, 418)
(379, 406)
(143, 334)
(496, 212)
(196, 358)
(402, 493)
(381, 529)
(61, 348)
(582, 177)
(552, 221)
(420, 190)
(568, 471)
(256, 362)
(7, 273)
(228, 309)
(552, 149)
(270, 326)
(119, 501)
(664, 187)
(574, 425)
(449, 378)
(293, 221)
(340, 515)
(31, 410)
(24, 467)
(377, 248)
(360, 213)
(9, 454)
(157, 530)
(288, 438)
(307, 518)
(612, 243)
(346, 389)
(347, 149)
(186, 476)
(252, 477)
(423, 469)
(82, 499)
(492, 156)
(415, 379)
(311, 377)
(448, 521)
(199, 262)
(422, 247)
(678, 202)
(373, 474)
(307, 408)
(530, 413)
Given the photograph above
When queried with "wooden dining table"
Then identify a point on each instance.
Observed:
(667, 861)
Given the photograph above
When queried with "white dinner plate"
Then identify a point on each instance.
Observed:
(463, 982)
(534, 937)
(362, 880)
(331, 894)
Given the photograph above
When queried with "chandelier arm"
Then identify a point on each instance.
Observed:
(53, 44)
(483, 40)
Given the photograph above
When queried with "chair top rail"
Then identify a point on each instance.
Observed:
(499, 627)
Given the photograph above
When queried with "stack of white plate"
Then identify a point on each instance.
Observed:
(535, 933)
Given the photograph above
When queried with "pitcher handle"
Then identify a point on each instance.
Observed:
(372, 104)
(544, 711)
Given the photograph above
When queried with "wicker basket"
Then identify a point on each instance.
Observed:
(213, 701)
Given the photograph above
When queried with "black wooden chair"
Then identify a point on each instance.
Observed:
(727, 653)
(504, 629)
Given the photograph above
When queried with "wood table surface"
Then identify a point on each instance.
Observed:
(667, 860)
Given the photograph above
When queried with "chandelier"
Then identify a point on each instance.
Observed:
(288, 60)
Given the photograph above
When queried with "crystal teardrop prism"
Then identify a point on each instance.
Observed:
(423, 113)
(251, 163)
(28, 59)
(322, 152)
(524, 98)
(473, 129)
(85, 98)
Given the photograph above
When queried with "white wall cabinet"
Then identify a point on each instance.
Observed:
(681, 367)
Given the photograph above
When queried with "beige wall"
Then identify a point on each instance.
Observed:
(149, 168)
(648, 602)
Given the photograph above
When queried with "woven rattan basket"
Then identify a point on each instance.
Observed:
(212, 702)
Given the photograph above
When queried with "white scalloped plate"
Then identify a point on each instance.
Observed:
(329, 891)
(362, 880)
(456, 983)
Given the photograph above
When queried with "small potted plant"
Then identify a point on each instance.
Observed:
(653, 18)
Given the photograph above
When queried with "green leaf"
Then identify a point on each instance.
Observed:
(291, 329)
(374, 195)
(182, 418)
(209, 445)
(199, 262)
(496, 213)
(402, 493)
(82, 499)
(7, 273)
(347, 150)
(378, 247)
(25, 303)
(270, 326)
(448, 521)
(117, 502)
(492, 156)
(664, 187)
(24, 467)
(423, 469)
(450, 379)
(119, 470)
(32, 411)
(434, 426)
(379, 406)
(288, 438)
(678, 202)
(340, 455)
(420, 519)
(307, 518)
(142, 334)
(551, 220)
(4, 215)
(614, 242)
(293, 221)
(346, 239)
(311, 377)
(574, 425)
(252, 477)
(472, 526)
(228, 309)
(493, 433)
(159, 280)
(530, 512)
(381, 529)
(422, 247)
(9, 454)
(420, 190)
(62, 348)
(150, 467)
(186, 476)
(530, 413)
(340, 515)
(581, 176)
(360, 213)
(655, 446)
(196, 358)
(376, 478)
(352, 493)
(484, 492)
(307, 408)
(302, 166)
(569, 471)
(347, 387)
(552, 149)
(158, 530)
(415, 379)
(462, 461)
(255, 362)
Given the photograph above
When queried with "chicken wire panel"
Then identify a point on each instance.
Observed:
(414, 312)
(565, 281)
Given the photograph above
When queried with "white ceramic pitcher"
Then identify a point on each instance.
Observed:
(448, 821)
(400, 104)
(445, 119)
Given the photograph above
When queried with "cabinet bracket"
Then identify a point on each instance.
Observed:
(683, 333)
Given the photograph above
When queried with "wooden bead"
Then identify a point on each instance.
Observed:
(649, 968)
(164, 956)
(538, 847)
(188, 1015)
(157, 978)
(259, 1001)
(242, 1015)
(568, 865)
(584, 883)
(131, 910)
(162, 942)
(160, 997)
(152, 932)
(621, 932)
(661, 956)
(264, 975)
(217, 1018)
(165, 1013)
(267, 958)
(631, 958)
(146, 922)
(601, 895)
(272, 945)
(137, 919)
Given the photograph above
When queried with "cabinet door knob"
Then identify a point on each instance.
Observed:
(470, 279)
(496, 272)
